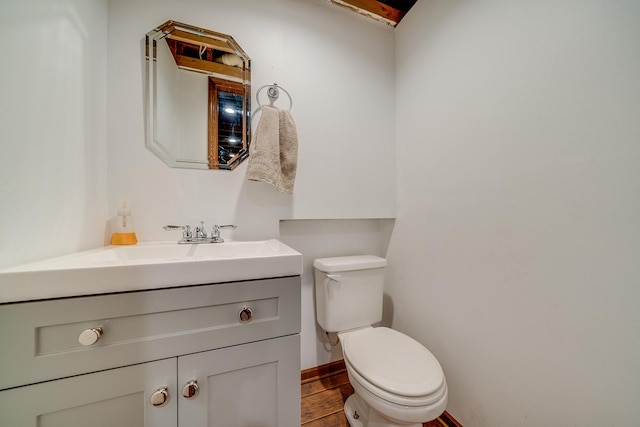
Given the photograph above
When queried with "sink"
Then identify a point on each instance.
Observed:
(148, 266)
(153, 252)
(238, 249)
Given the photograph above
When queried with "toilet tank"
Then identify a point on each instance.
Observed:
(349, 291)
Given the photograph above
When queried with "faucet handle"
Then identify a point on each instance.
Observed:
(186, 233)
(215, 231)
(217, 228)
(173, 227)
(227, 227)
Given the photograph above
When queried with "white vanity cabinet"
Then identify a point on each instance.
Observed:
(223, 354)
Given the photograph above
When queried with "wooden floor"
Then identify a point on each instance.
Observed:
(324, 390)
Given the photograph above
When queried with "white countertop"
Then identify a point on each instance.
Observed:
(147, 266)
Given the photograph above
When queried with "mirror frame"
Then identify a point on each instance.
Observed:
(232, 74)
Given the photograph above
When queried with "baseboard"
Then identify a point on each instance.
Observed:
(448, 419)
(322, 371)
(311, 374)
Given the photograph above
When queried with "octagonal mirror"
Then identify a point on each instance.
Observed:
(198, 95)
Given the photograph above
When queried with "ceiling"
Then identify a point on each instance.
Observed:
(390, 12)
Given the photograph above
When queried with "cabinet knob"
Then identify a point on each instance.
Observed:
(90, 336)
(191, 389)
(160, 397)
(245, 315)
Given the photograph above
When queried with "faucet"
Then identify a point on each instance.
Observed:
(199, 234)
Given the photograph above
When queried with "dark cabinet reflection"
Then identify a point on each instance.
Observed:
(227, 131)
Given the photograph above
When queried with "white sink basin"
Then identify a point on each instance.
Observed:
(148, 266)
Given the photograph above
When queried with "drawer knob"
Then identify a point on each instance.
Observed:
(245, 315)
(191, 389)
(90, 336)
(160, 397)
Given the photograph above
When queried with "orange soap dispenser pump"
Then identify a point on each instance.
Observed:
(123, 233)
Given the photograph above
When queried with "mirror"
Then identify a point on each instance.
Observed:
(198, 95)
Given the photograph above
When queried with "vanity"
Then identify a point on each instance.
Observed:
(155, 334)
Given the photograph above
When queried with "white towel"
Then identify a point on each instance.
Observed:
(273, 157)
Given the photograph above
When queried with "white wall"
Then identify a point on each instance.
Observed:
(515, 252)
(52, 128)
(72, 136)
(55, 131)
(339, 72)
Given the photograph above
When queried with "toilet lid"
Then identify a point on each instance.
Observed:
(393, 362)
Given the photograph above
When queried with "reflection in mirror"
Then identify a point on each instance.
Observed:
(198, 91)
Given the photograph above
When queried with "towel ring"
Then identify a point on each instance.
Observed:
(273, 93)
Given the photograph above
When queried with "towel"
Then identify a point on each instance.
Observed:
(273, 155)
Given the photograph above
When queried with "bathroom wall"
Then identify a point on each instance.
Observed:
(515, 252)
(73, 113)
(339, 71)
(53, 187)
(73, 136)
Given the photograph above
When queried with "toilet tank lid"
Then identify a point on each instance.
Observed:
(349, 263)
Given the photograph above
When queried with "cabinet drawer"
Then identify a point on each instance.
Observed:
(41, 339)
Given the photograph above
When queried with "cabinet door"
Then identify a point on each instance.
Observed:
(255, 384)
(118, 397)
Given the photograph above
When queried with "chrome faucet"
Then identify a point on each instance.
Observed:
(199, 234)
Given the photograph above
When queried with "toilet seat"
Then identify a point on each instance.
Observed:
(393, 366)
(394, 399)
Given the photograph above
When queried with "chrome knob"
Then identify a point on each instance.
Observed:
(90, 336)
(160, 397)
(245, 315)
(191, 389)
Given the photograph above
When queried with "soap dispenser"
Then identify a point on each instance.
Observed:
(123, 233)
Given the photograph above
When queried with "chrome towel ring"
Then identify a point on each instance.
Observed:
(273, 93)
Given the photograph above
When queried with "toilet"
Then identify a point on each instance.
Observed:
(397, 381)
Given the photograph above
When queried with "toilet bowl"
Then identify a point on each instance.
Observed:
(396, 380)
